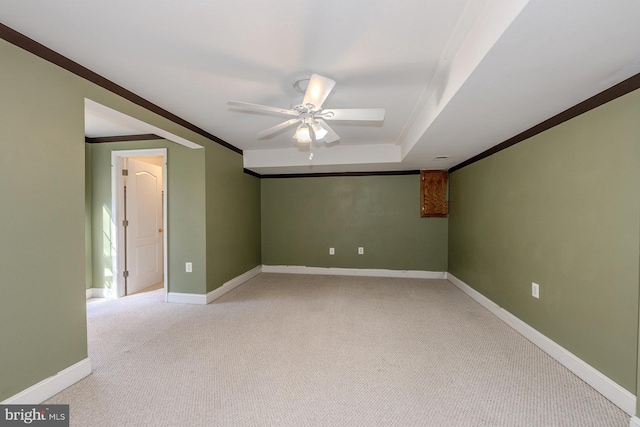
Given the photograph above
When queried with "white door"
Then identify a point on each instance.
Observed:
(144, 232)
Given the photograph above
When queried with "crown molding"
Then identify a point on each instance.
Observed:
(607, 95)
(40, 50)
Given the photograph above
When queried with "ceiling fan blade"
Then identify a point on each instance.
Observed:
(368, 114)
(276, 128)
(317, 91)
(262, 108)
(331, 135)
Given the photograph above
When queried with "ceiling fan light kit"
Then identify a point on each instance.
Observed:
(318, 131)
(310, 115)
(303, 133)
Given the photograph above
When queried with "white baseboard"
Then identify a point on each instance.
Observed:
(96, 293)
(182, 298)
(634, 422)
(203, 299)
(51, 386)
(412, 274)
(233, 283)
(596, 379)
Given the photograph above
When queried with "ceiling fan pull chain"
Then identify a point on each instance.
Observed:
(311, 150)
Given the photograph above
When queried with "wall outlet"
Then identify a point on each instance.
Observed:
(332, 251)
(188, 267)
(535, 290)
(360, 250)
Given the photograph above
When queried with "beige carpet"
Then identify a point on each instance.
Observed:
(293, 350)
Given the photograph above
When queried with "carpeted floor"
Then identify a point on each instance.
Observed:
(293, 350)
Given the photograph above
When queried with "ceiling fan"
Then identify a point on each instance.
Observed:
(310, 116)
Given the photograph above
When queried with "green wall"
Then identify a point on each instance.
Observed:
(185, 212)
(303, 217)
(562, 210)
(43, 243)
(233, 219)
(42, 238)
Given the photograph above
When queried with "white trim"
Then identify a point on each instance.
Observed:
(96, 293)
(596, 379)
(330, 271)
(51, 386)
(233, 283)
(117, 214)
(200, 299)
(183, 298)
(634, 422)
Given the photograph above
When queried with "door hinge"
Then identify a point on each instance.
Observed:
(125, 273)
(125, 172)
(125, 223)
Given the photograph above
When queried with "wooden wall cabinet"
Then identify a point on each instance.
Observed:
(433, 194)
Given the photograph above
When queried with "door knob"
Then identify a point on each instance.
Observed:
(160, 230)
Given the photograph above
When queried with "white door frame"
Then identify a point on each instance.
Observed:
(117, 213)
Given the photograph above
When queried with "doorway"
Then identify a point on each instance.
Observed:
(139, 194)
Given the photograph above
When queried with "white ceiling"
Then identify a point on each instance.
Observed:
(456, 77)
(96, 126)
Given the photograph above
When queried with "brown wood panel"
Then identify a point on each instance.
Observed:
(433, 194)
